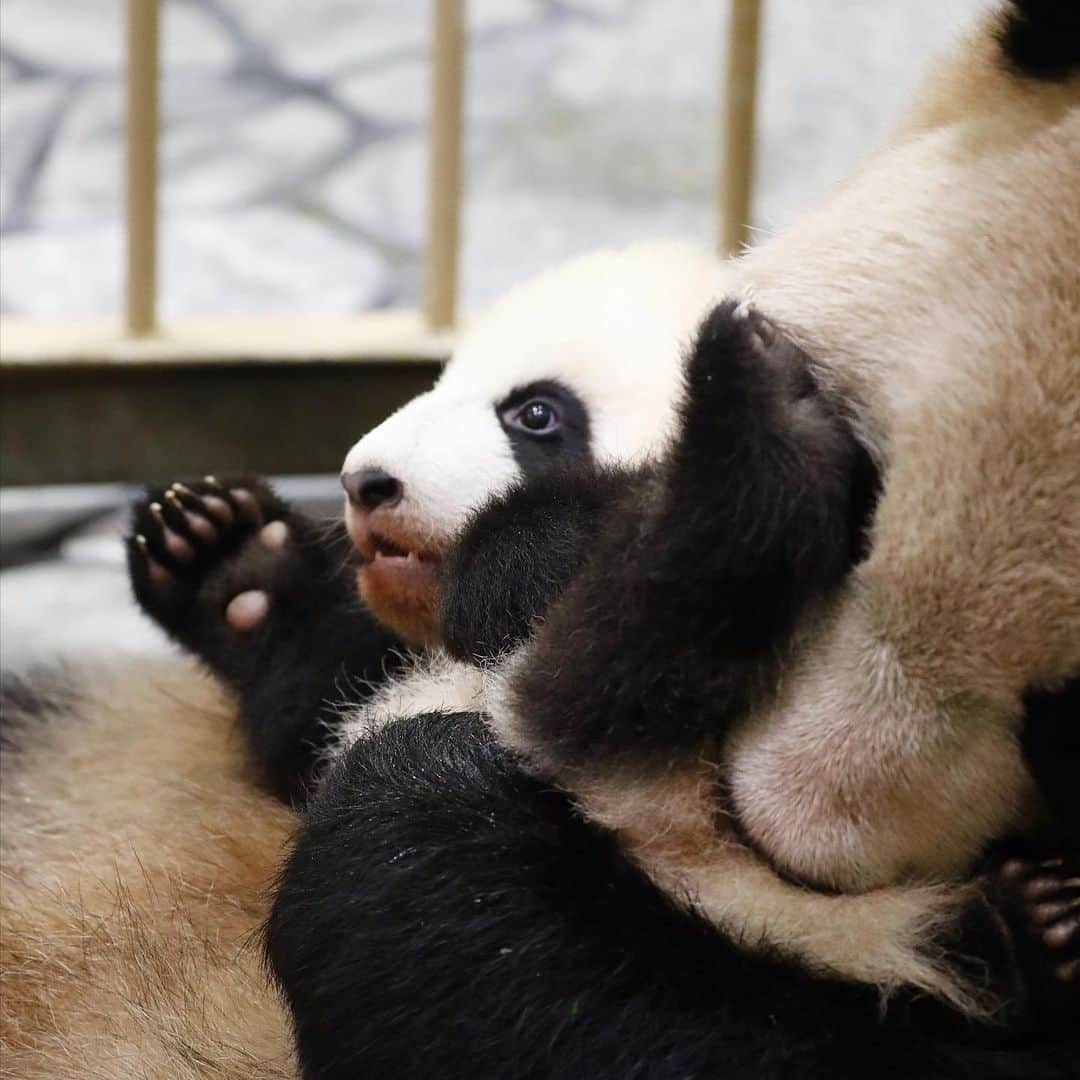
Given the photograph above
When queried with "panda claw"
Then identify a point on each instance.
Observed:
(190, 553)
(1039, 900)
(248, 506)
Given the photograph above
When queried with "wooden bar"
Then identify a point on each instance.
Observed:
(390, 334)
(132, 423)
(141, 153)
(736, 177)
(444, 163)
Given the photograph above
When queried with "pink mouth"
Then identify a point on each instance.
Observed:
(399, 577)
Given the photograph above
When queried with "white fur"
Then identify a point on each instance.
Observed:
(610, 325)
(434, 683)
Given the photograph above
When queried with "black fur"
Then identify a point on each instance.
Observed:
(536, 452)
(1040, 39)
(444, 915)
(1051, 748)
(680, 618)
(318, 646)
(517, 553)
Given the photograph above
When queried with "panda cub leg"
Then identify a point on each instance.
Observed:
(267, 599)
(678, 620)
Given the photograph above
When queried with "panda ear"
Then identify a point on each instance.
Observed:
(517, 553)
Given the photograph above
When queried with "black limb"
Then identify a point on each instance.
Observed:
(692, 591)
(1050, 743)
(1027, 939)
(195, 547)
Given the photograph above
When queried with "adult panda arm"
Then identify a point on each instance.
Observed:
(445, 914)
(267, 599)
(692, 589)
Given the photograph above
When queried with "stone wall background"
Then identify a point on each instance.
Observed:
(292, 155)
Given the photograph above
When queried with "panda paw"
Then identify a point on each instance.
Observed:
(1046, 896)
(207, 551)
(1038, 900)
(747, 378)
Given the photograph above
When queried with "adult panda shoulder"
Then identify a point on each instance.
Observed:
(138, 835)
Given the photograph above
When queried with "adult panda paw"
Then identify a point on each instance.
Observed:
(1036, 900)
(207, 555)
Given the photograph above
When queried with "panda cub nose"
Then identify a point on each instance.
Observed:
(369, 488)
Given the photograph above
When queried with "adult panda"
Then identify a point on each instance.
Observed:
(139, 838)
(955, 363)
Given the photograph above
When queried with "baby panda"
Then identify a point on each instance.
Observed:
(295, 616)
(447, 911)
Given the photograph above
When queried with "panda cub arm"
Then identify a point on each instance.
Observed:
(686, 598)
(267, 599)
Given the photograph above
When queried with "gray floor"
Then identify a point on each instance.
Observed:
(76, 601)
(292, 161)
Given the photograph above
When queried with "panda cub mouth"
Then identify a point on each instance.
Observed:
(377, 548)
(387, 549)
(398, 579)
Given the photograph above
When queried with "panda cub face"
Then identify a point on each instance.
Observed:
(583, 363)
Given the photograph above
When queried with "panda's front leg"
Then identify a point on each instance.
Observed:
(695, 584)
(267, 599)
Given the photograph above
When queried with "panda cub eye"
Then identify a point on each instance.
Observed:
(536, 416)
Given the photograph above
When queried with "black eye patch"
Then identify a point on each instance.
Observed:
(547, 424)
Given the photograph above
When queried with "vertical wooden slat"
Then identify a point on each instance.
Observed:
(736, 177)
(141, 148)
(444, 162)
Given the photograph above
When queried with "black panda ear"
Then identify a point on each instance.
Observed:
(517, 553)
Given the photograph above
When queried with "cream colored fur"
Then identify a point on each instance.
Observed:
(610, 325)
(136, 861)
(435, 683)
(939, 292)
